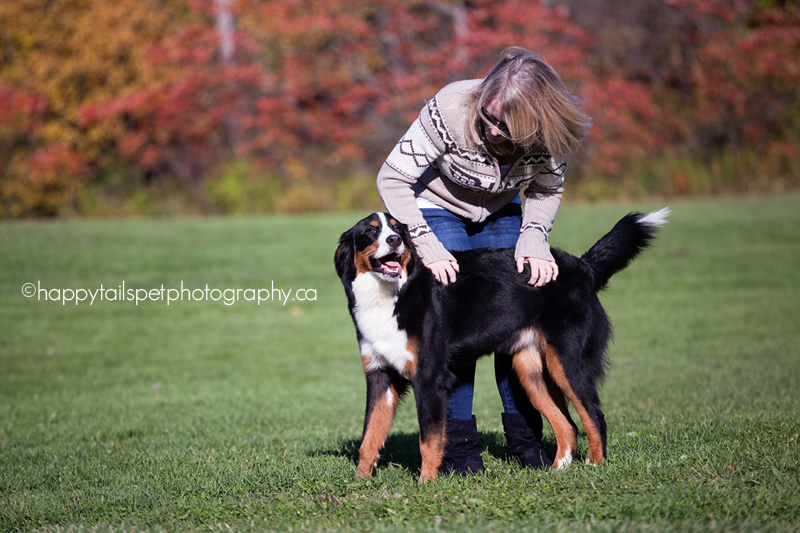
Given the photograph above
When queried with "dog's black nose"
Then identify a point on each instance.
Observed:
(394, 241)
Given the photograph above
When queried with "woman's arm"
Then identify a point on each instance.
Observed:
(406, 163)
(542, 200)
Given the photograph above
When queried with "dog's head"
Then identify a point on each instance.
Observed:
(377, 245)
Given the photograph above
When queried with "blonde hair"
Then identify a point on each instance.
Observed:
(537, 107)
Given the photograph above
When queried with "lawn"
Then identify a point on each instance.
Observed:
(214, 411)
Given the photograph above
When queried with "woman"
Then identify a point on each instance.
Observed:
(455, 179)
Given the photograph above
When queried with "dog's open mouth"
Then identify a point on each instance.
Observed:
(388, 265)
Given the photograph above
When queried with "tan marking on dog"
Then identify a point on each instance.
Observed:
(432, 451)
(527, 363)
(410, 370)
(362, 259)
(374, 223)
(532, 339)
(366, 362)
(405, 258)
(595, 454)
(380, 421)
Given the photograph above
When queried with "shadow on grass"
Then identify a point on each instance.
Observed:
(402, 449)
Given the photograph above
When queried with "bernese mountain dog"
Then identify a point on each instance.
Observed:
(412, 330)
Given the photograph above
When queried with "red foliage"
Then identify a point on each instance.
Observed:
(318, 77)
(625, 117)
(746, 71)
(317, 84)
(20, 111)
(52, 177)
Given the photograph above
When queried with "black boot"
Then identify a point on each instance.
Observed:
(462, 455)
(524, 436)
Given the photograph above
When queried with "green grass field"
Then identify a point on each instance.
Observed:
(202, 415)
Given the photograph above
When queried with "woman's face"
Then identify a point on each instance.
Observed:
(492, 129)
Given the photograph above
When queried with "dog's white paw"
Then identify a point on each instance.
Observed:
(565, 461)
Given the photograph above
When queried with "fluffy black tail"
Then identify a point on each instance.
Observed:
(614, 251)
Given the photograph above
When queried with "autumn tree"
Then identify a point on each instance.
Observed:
(59, 57)
(693, 78)
(172, 91)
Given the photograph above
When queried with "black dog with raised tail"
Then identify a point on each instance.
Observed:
(413, 330)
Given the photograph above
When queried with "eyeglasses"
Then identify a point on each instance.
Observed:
(499, 124)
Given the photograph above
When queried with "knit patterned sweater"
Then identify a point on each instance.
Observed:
(432, 161)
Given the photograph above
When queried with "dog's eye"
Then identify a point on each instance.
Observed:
(372, 230)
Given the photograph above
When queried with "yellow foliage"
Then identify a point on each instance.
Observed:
(71, 53)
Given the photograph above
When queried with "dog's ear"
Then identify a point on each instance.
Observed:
(344, 258)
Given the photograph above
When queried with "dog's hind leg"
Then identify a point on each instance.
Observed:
(560, 400)
(384, 392)
(527, 363)
(585, 400)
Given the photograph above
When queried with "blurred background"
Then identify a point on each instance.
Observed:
(160, 107)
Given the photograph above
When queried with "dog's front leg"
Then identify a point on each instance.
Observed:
(431, 401)
(384, 392)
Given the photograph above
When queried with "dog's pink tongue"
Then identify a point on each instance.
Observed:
(392, 265)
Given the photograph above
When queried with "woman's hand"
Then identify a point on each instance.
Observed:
(444, 270)
(542, 270)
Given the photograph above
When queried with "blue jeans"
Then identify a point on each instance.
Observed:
(456, 233)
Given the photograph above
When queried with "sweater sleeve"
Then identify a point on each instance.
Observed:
(406, 163)
(542, 200)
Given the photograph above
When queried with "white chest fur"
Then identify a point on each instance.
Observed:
(382, 340)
